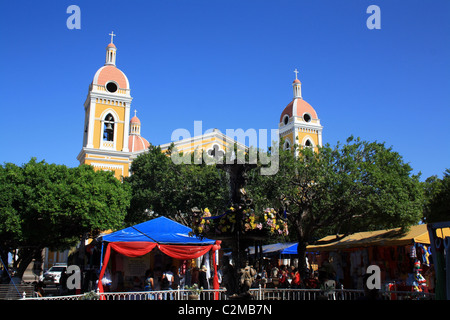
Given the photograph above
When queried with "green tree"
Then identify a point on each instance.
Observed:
(48, 205)
(352, 187)
(437, 198)
(10, 221)
(160, 186)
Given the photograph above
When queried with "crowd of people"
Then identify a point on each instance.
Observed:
(187, 276)
(285, 276)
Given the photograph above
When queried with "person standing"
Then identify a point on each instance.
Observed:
(148, 283)
(176, 278)
(203, 281)
(296, 280)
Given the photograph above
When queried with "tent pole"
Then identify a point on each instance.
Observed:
(101, 256)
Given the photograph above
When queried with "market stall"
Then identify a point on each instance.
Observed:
(395, 251)
(171, 238)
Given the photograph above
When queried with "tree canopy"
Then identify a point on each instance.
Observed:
(159, 186)
(356, 186)
(437, 198)
(48, 205)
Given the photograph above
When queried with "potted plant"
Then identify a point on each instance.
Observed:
(92, 295)
(194, 292)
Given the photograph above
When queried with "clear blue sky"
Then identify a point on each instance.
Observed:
(230, 64)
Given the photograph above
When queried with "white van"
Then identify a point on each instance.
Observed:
(53, 275)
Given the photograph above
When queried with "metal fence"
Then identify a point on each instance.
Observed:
(257, 294)
(13, 291)
(180, 294)
(306, 294)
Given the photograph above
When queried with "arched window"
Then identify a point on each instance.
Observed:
(308, 144)
(108, 128)
(287, 144)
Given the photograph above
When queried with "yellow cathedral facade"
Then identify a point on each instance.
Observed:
(112, 140)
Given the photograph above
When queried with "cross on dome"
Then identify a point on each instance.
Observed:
(112, 36)
(297, 85)
(296, 73)
(135, 111)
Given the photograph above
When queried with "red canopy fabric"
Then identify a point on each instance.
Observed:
(133, 249)
(182, 252)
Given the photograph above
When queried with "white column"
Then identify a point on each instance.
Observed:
(90, 141)
(126, 128)
(297, 90)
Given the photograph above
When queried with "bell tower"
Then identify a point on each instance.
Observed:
(299, 123)
(107, 118)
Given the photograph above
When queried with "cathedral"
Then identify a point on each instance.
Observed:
(112, 140)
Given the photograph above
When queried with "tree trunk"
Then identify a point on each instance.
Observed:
(26, 256)
(4, 257)
(301, 252)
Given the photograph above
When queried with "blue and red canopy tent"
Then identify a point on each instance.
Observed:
(170, 237)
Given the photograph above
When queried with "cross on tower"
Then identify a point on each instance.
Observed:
(112, 36)
(296, 73)
(135, 111)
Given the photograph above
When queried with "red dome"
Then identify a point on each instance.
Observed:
(111, 73)
(135, 120)
(298, 107)
(111, 45)
(137, 143)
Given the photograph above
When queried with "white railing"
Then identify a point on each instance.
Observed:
(108, 144)
(13, 291)
(99, 87)
(285, 294)
(257, 294)
(180, 294)
(306, 294)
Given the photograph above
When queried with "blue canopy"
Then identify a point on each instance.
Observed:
(290, 250)
(272, 248)
(293, 249)
(160, 230)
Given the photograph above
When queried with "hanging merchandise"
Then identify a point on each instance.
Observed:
(419, 281)
(412, 252)
(425, 254)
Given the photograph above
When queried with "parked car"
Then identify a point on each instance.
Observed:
(53, 275)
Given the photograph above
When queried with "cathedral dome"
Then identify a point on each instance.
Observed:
(135, 120)
(110, 73)
(137, 143)
(299, 108)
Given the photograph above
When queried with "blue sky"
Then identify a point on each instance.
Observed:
(230, 64)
